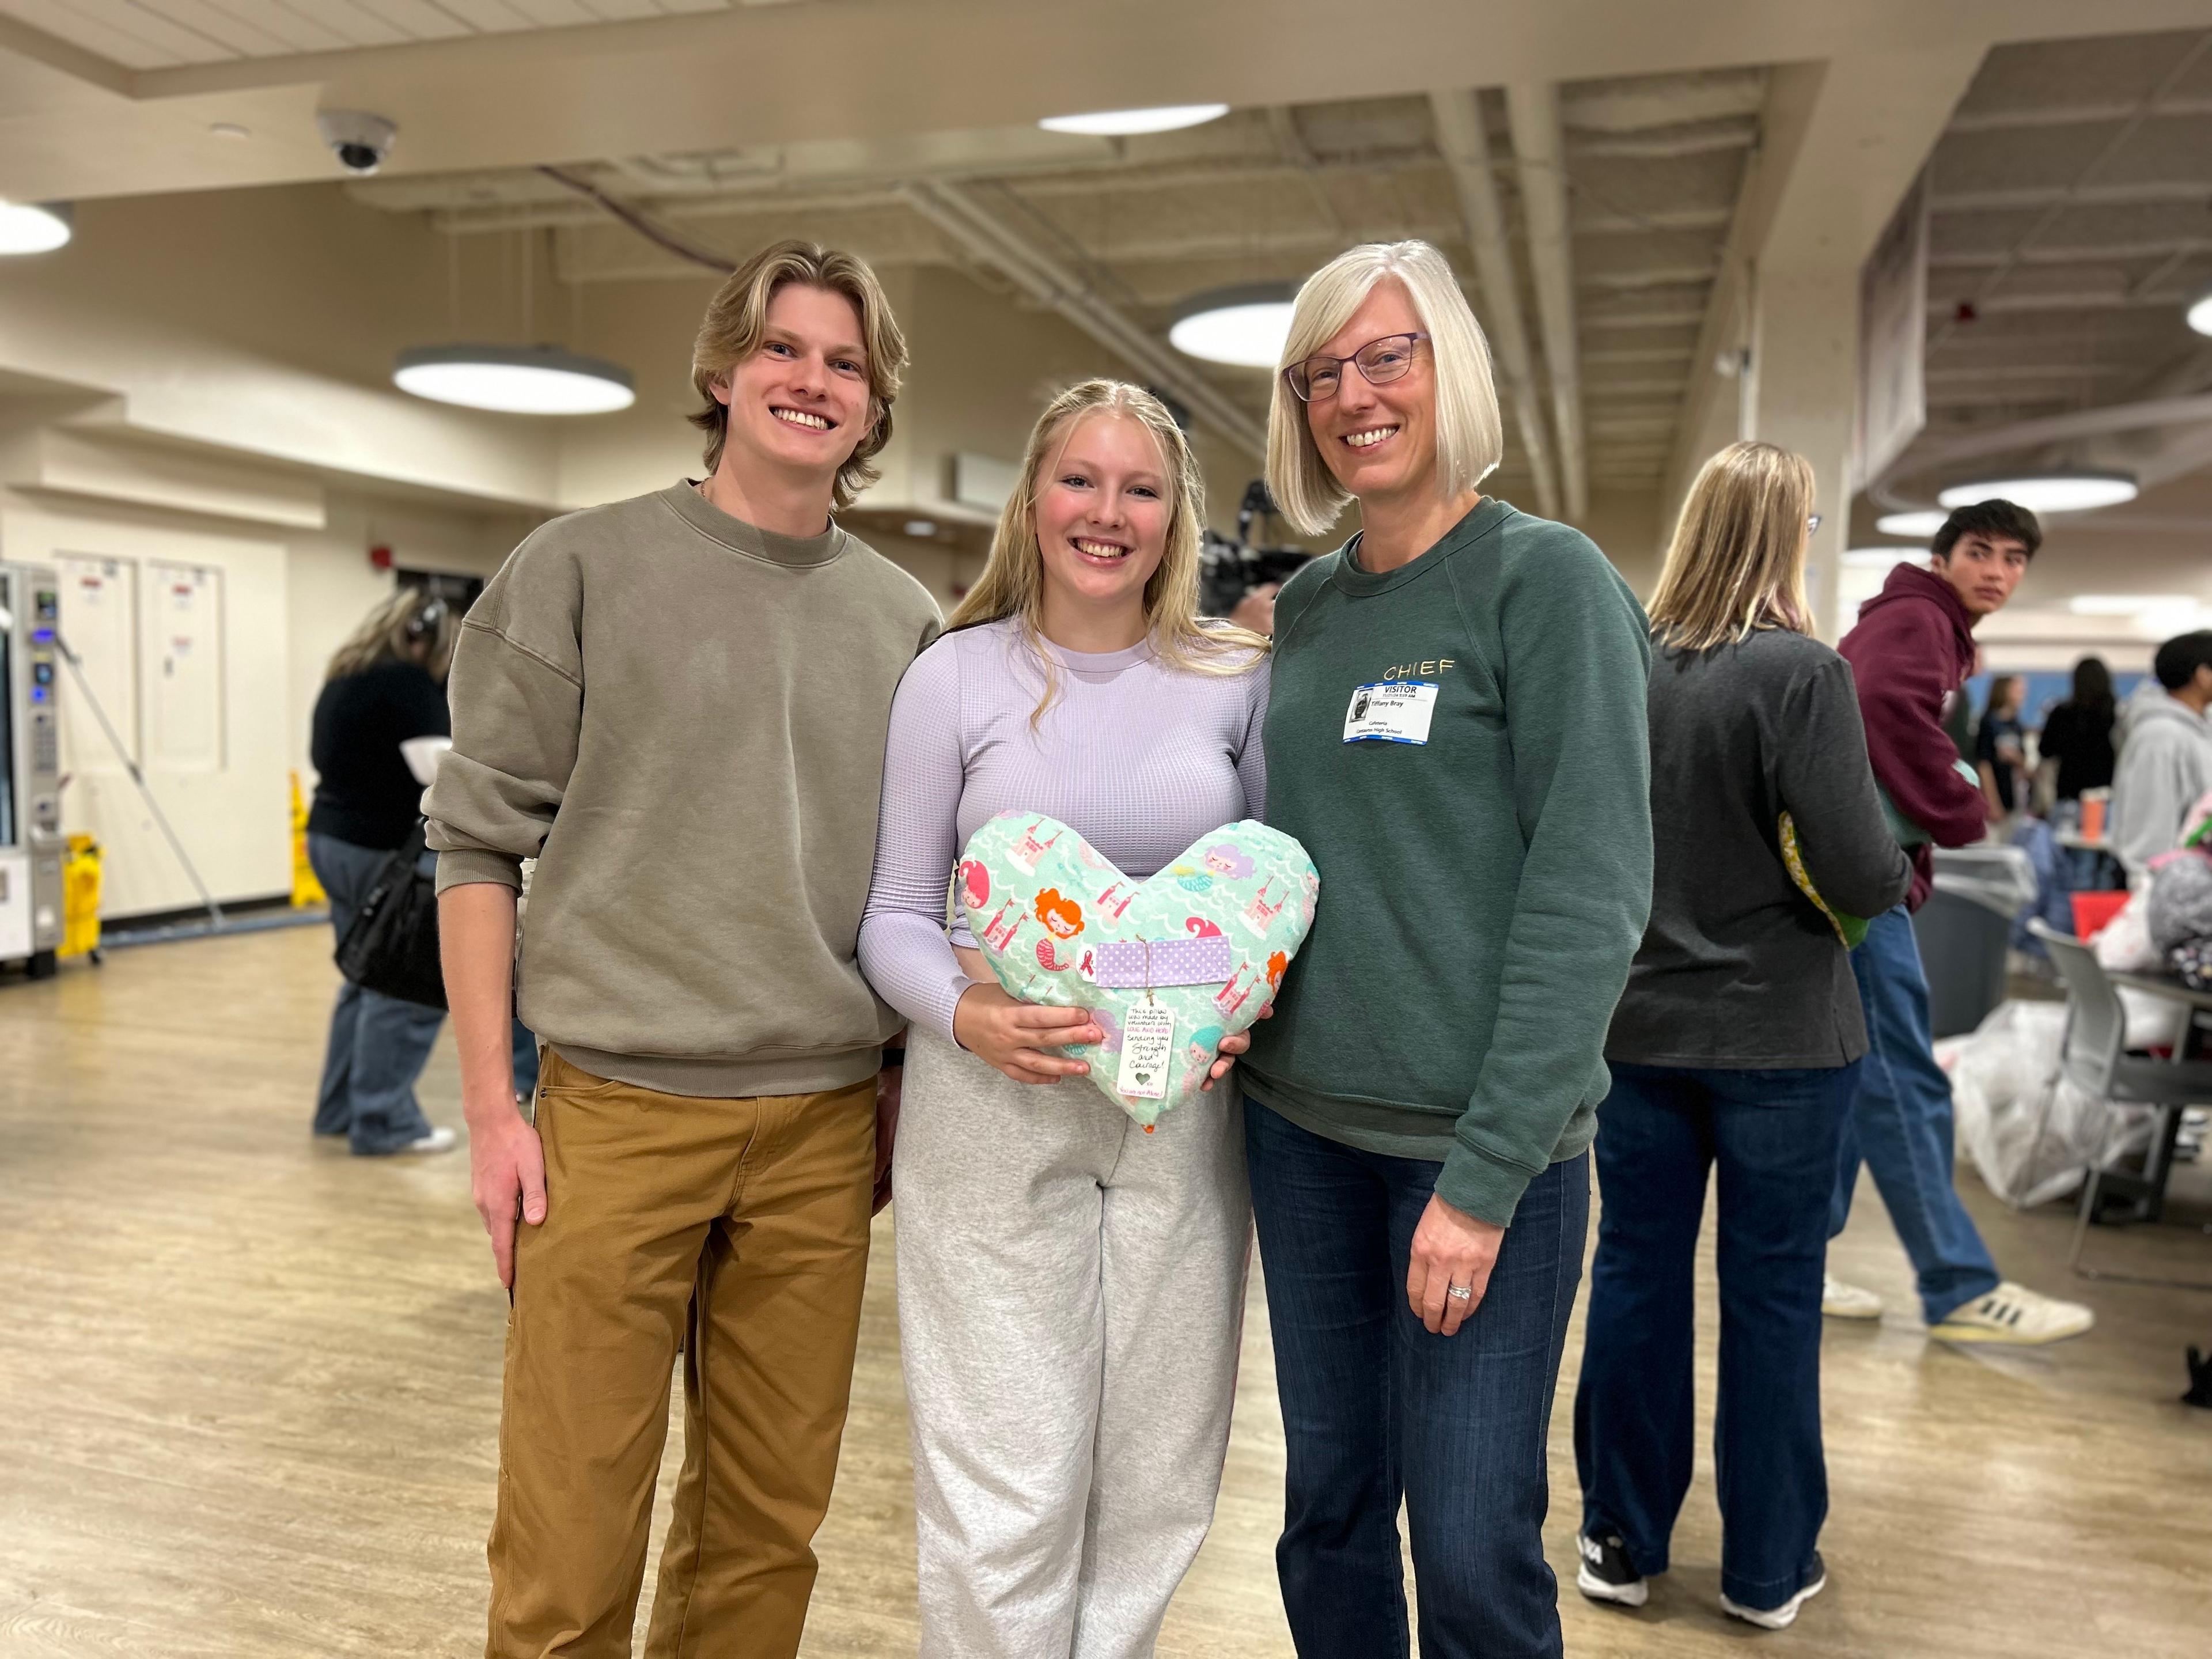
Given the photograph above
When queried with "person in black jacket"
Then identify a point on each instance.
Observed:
(2078, 733)
(385, 687)
(1737, 1043)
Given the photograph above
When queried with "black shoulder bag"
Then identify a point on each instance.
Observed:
(392, 946)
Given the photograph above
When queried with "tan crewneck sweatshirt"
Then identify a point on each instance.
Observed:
(682, 717)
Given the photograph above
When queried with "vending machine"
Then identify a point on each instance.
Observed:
(30, 841)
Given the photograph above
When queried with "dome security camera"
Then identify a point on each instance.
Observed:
(360, 140)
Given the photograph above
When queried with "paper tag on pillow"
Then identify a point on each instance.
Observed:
(1147, 1048)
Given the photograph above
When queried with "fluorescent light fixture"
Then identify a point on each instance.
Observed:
(1881, 558)
(1123, 123)
(33, 226)
(2046, 492)
(920, 527)
(514, 380)
(2199, 314)
(1244, 326)
(2127, 605)
(1911, 523)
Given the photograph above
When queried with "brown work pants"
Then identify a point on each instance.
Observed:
(748, 1219)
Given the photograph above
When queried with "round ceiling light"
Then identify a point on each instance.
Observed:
(515, 379)
(2199, 314)
(1244, 326)
(1122, 123)
(1911, 523)
(33, 227)
(2046, 492)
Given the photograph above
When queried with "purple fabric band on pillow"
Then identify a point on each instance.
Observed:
(1123, 966)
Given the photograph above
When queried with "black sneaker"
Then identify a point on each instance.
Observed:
(1605, 1574)
(1782, 1617)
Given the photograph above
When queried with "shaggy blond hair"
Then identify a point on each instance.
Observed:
(736, 317)
(1013, 583)
(408, 617)
(1470, 433)
(1737, 562)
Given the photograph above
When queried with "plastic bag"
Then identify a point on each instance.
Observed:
(2124, 946)
(2180, 906)
(2028, 1132)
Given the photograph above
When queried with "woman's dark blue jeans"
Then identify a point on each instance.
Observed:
(1375, 1408)
(1773, 1136)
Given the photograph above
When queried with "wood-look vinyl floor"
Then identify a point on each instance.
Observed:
(249, 1389)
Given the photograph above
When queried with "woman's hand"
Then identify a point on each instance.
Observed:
(1012, 1036)
(1225, 1055)
(1451, 1248)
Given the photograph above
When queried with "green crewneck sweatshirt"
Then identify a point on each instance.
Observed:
(1461, 744)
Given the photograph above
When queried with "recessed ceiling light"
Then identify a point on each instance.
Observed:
(920, 527)
(33, 227)
(515, 379)
(1881, 558)
(2126, 604)
(1121, 123)
(1911, 523)
(2046, 492)
(230, 130)
(2199, 313)
(1244, 326)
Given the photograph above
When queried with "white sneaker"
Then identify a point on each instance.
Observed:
(438, 1140)
(1782, 1617)
(2011, 1315)
(1842, 1301)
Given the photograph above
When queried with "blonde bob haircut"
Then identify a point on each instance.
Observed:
(1737, 562)
(1013, 583)
(407, 618)
(737, 318)
(1470, 433)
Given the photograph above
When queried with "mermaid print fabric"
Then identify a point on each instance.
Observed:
(1207, 939)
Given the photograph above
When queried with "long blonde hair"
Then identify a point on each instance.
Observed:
(1470, 433)
(1012, 582)
(1737, 562)
(411, 616)
(736, 317)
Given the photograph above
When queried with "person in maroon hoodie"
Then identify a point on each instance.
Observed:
(1911, 654)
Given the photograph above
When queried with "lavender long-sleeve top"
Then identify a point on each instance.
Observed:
(1138, 758)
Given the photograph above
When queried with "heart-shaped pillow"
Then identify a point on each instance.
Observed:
(1168, 967)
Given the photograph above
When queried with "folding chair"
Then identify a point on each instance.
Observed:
(2093, 1057)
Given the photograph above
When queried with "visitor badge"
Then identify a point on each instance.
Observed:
(1147, 1047)
(1390, 711)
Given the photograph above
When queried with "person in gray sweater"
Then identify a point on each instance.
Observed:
(677, 705)
(1736, 1044)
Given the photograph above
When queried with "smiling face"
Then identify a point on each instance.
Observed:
(800, 401)
(1102, 515)
(1379, 441)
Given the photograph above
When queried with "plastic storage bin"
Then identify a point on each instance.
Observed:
(1964, 929)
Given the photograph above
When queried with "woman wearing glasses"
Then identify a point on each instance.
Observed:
(1456, 734)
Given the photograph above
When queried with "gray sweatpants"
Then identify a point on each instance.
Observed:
(1071, 1296)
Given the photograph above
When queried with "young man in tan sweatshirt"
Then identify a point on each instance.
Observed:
(677, 705)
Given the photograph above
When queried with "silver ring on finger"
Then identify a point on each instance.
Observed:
(1459, 1293)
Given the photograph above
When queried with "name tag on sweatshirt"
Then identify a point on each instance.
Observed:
(1390, 711)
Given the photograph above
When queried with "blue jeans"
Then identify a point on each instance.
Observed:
(1773, 1134)
(1901, 1125)
(378, 1044)
(1375, 1408)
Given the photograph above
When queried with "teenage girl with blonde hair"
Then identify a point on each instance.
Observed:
(1071, 1289)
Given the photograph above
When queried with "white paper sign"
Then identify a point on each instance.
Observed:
(1390, 711)
(1147, 1045)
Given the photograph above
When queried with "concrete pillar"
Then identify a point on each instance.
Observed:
(1801, 392)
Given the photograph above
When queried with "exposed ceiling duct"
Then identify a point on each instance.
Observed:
(1540, 147)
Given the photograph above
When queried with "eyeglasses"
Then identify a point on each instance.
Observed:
(1379, 362)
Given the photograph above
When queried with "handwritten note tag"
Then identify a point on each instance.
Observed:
(1147, 1048)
